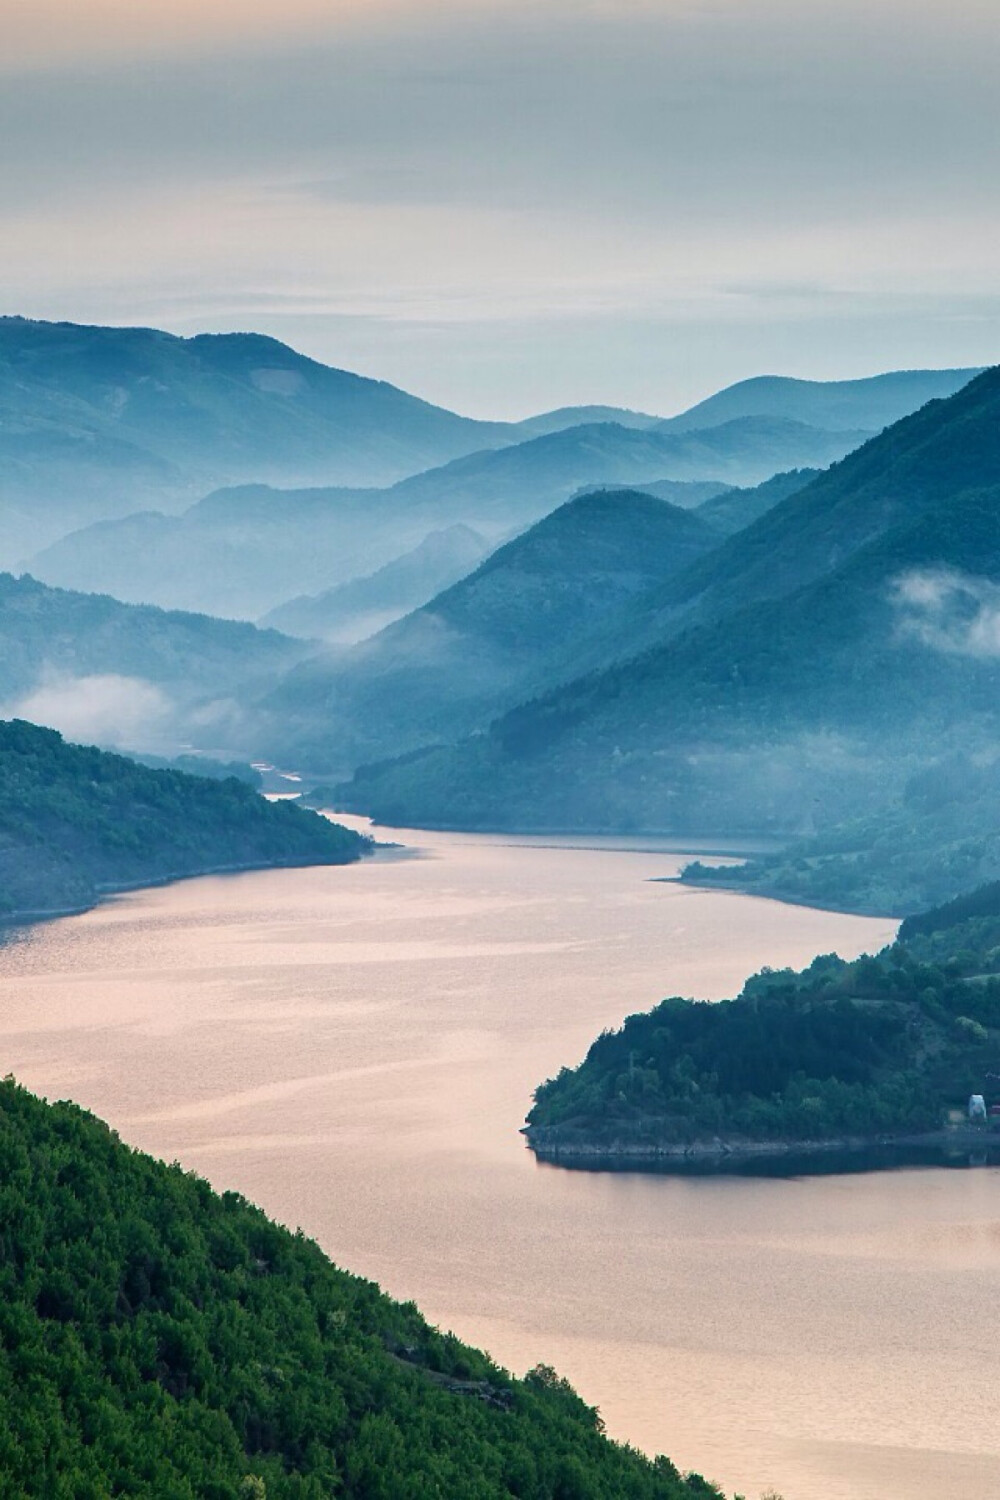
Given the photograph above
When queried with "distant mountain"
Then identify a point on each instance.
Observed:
(943, 449)
(583, 416)
(362, 606)
(523, 480)
(482, 643)
(872, 403)
(245, 551)
(75, 822)
(98, 422)
(829, 652)
(116, 672)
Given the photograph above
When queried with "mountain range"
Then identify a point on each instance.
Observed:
(448, 667)
(244, 551)
(97, 422)
(101, 423)
(875, 402)
(802, 670)
(753, 616)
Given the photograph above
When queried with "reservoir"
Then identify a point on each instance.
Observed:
(355, 1049)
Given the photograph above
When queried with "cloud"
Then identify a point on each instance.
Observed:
(128, 712)
(950, 611)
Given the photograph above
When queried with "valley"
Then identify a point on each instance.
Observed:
(649, 672)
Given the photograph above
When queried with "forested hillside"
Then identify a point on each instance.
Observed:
(159, 1340)
(481, 644)
(75, 822)
(866, 657)
(49, 633)
(886, 1047)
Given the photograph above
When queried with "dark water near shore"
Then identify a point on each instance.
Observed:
(355, 1049)
(791, 1163)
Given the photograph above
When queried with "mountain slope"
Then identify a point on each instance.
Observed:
(75, 822)
(786, 712)
(107, 665)
(944, 449)
(96, 422)
(244, 551)
(734, 509)
(874, 403)
(360, 607)
(447, 667)
(158, 1339)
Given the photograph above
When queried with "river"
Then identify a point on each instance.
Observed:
(355, 1050)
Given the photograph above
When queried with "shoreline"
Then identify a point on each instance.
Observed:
(775, 894)
(104, 890)
(603, 1156)
(637, 841)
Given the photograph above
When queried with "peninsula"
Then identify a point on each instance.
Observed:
(885, 1050)
(77, 822)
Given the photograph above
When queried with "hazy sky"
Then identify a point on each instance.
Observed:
(510, 206)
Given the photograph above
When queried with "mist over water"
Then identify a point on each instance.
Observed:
(356, 1048)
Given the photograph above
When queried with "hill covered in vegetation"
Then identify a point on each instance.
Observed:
(77, 821)
(831, 652)
(888, 1047)
(113, 672)
(160, 1340)
(479, 645)
(938, 836)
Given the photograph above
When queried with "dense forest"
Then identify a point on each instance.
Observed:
(75, 821)
(890, 1045)
(160, 1340)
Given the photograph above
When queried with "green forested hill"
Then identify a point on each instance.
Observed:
(160, 1341)
(867, 654)
(734, 509)
(887, 1046)
(479, 645)
(74, 821)
(946, 449)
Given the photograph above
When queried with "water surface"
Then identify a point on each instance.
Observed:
(355, 1049)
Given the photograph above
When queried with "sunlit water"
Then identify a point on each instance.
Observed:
(355, 1049)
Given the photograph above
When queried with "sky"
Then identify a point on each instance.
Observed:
(509, 207)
